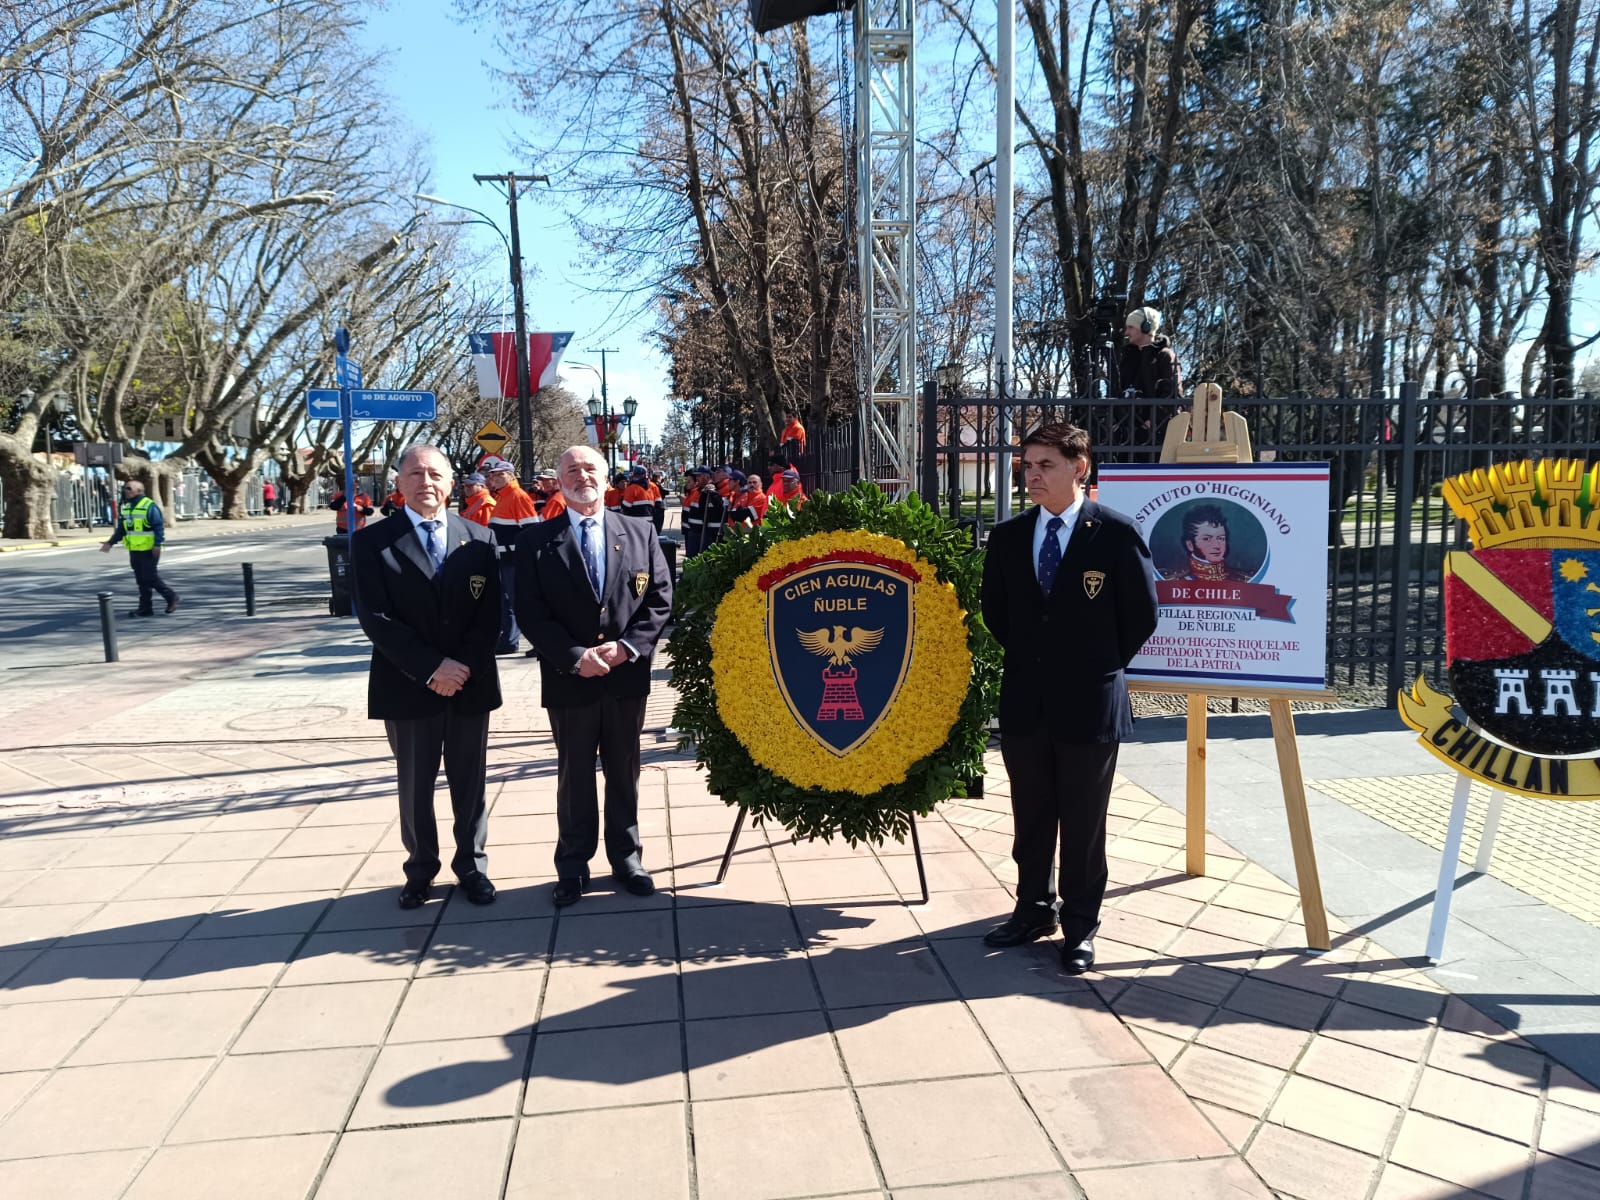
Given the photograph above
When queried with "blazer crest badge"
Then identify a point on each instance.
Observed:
(1093, 581)
(476, 585)
(641, 581)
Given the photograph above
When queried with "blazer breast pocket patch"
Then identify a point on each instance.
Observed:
(476, 585)
(641, 580)
(1093, 581)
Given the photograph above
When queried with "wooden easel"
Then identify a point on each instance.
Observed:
(1207, 434)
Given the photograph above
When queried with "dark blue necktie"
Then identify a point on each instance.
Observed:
(435, 550)
(591, 561)
(1050, 555)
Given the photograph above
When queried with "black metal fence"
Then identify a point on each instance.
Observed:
(1388, 525)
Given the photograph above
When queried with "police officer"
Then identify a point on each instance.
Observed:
(140, 528)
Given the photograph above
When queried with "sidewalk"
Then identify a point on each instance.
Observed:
(208, 989)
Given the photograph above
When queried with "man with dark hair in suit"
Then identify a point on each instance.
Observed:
(1069, 594)
(427, 592)
(593, 594)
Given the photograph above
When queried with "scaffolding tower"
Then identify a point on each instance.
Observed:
(886, 220)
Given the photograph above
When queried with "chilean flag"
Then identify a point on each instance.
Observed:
(494, 360)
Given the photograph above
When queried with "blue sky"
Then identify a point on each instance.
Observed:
(439, 85)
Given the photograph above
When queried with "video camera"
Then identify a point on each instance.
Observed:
(1108, 315)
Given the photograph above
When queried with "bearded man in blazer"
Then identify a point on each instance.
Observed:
(592, 595)
(1069, 593)
(427, 593)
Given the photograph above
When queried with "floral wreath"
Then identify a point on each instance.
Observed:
(929, 743)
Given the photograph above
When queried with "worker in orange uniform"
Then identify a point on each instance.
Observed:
(477, 504)
(555, 504)
(394, 501)
(755, 499)
(544, 483)
(513, 511)
(792, 442)
(658, 503)
(614, 493)
(636, 500)
(363, 511)
(786, 490)
(694, 529)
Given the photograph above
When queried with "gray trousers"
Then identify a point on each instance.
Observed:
(463, 742)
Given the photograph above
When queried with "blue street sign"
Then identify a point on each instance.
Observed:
(341, 340)
(389, 404)
(323, 404)
(346, 373)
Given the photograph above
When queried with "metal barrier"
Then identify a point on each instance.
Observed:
(1388, 525)
(87, 501)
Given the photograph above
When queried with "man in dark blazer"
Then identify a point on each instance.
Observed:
(592, 595)
(428, 595)
(1069, 594)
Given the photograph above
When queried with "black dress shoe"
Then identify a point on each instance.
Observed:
(1022, 927)
(636, 883)
(1075, 960)
(172, 605)
(414, 895)
(137, 613)
(568, 891)
(478, 888)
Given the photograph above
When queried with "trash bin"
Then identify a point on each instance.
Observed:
(669, 547)
(341, 601)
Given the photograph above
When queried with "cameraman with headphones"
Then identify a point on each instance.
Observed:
(1149, 368)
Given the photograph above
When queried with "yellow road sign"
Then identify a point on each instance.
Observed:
(492, 437)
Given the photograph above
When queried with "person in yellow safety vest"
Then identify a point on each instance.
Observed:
(140, 528)
(513, 511)
(477, 505)
(636, 501)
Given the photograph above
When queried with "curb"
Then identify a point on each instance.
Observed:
(32, 546)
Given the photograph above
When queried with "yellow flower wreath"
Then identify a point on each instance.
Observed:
(917, 724)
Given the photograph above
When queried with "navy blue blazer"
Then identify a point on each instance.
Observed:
(417, 617)
(1065, 652)
(559, 613)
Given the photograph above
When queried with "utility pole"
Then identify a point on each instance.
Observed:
(605, 401)
(524, 391)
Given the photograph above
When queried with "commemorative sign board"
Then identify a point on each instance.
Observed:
(1241, 571)
(1522, 633)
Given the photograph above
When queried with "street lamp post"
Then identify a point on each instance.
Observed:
(514, 250)
(630, 409)
(604, 428)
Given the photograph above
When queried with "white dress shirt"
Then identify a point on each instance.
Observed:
(1069, 520)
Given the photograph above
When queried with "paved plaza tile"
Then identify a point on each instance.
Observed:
(234, 1005)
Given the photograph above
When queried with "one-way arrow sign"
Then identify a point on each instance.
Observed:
(323, 404)
(391, 404)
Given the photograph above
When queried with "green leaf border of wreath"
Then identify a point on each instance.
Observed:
(815, 812)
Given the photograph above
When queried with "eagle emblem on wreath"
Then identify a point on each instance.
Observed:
(840, 647)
